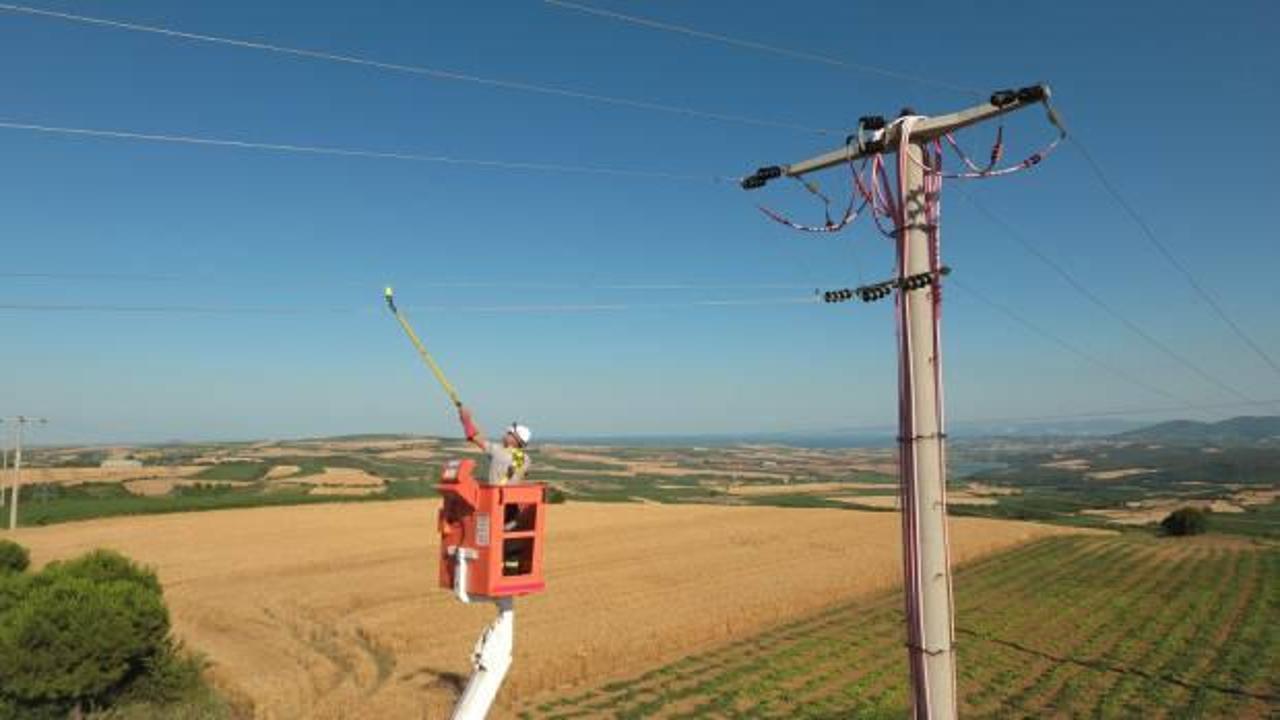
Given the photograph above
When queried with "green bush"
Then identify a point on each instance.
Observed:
(13, 588)
(171, 675)
(106, 566)
(80, 634)
(1185, 521)
(74, 642)
(13, 557)
(556, 496)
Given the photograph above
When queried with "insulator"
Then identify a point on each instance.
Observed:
(1000, 98)
(752, 182)
(1031, 93)
(872, 122)
(769, 172)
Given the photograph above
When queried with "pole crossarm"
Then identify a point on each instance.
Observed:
(1002, 102)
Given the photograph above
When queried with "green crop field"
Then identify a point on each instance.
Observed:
(1116, 626)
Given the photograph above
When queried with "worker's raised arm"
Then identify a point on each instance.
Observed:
(469, 427)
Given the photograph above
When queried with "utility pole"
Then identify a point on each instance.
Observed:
(921, 434)
(20, 422)
(4, 465)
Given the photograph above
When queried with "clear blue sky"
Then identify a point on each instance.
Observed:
(1174, 102)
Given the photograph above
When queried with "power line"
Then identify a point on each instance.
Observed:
(651, 286)
(762, 47)
(499, 309)
(422, 71)
(347, 152)
(1129, 209)
(1057, 339)
(1099, 302)
(1163, 250)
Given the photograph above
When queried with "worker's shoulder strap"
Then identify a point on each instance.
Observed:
(519, 459)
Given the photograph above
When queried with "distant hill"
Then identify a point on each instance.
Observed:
(1244, 430)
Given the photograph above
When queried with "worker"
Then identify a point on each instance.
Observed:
(508, 465)
(508, 460)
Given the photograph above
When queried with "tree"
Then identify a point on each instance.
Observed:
(13, 557)
(79, 634)
(1185, 521)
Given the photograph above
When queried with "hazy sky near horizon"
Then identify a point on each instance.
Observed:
(1172, 99)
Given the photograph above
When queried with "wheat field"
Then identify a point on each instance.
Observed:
(331, 611)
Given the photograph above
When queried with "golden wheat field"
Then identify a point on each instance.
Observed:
(331, 611)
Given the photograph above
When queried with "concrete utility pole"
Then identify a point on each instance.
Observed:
(4, 466)
(921, 441)
(20, 422)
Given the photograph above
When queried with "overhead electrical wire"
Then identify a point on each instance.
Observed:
(419, 70)
(188, 278)
(1094, 166)
(1106, 307)
(762, 47)
(164, 309)
(1168, 255)
(1069, 347)
(358, 153)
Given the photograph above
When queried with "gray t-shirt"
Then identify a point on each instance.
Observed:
(507, 466)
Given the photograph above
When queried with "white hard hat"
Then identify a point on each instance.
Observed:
(521, 432)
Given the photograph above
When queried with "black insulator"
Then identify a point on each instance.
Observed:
(1031, 93)
(752, 182)
(769, 172)
(871, 122)
(907, 110)
(1000, 98)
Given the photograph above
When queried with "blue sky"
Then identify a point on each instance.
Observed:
(1170, 100)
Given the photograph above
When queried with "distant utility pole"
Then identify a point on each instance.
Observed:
(19, 422)
(4, 465)
(921, 437)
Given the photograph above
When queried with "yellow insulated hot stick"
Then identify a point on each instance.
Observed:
(422, 349)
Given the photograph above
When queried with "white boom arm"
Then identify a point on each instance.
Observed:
(489, 664)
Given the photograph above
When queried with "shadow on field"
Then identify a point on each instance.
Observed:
(451, 681)
(1104, 666)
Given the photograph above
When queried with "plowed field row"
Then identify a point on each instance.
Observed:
(1120, 626)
